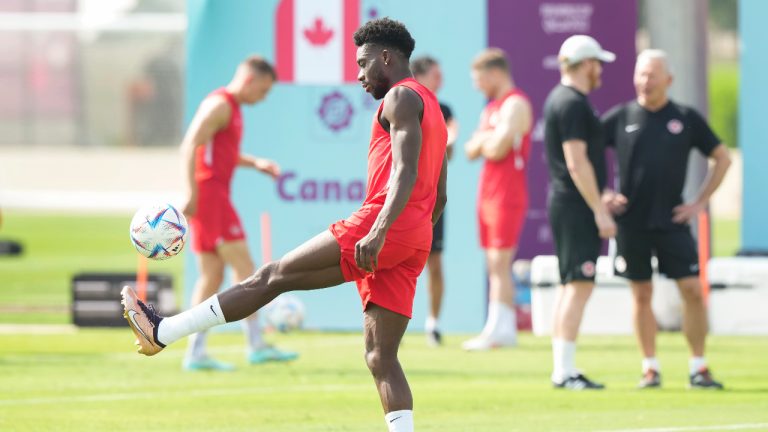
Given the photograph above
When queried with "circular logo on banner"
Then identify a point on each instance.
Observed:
(620, 264)
(675, 126)
(588, 269)
(335, 111)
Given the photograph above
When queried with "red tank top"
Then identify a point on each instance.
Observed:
(503, 183)
(217, 159)
(413, 227)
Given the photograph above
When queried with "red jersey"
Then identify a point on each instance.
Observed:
(503, 183)
(413, 227)
(217, 159)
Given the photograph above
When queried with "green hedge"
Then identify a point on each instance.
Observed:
(724, 101)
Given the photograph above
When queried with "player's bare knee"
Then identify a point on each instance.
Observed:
(435, 265)
(691, 293)
(379, 362)
(436, 272)
(643, 298)
(275, 279)
(260, 279)
(371, 359)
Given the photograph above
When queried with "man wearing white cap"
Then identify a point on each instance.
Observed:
(575, 156)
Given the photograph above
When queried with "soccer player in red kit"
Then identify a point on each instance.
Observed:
(503, 139)
(211, 152)
(383, 246)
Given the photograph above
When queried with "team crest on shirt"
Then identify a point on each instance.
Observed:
(620, 264)
(588, 268)
(675, 126)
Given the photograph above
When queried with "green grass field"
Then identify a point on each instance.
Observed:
(63, 379)
(92, 380)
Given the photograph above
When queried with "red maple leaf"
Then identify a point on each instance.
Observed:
(318, 34)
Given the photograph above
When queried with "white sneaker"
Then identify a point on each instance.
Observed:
(485, 342)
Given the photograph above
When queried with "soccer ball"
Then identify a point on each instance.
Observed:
(285, 313)
(158, 231)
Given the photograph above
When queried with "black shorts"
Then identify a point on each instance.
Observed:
(437, 234)
(577, 242)
(675, 250)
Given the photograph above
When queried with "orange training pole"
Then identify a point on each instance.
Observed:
(141, 278)
(704, 253)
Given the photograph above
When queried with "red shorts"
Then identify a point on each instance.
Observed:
(215, 221)
(500, 228)
(393, 284)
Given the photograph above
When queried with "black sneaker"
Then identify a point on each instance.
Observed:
(651, 379)
(578, 382)
(434, 338)
(703, 380)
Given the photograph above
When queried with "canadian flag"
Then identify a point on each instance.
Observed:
(313, 41)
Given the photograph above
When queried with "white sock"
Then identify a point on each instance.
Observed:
(563, 359)
(651, 363)
(498, 318)
(252, 331)
(558, 374)
(431, 324)
(508, 323)
(201, 317)
(569, 358)
(695, 364)
(399, 421)
(492, 320)
(196, 348)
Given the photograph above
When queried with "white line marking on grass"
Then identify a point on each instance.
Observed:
(743, 426)
(108, 397)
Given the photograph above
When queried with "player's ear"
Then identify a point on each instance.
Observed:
(386, 56)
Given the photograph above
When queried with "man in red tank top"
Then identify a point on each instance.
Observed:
(383, 246)
(503, 140)
(211, 152)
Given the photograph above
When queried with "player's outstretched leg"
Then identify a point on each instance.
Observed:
(313, 265)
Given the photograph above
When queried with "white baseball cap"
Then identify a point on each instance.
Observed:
(582, 47)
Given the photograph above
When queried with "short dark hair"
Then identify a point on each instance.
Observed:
(491, 58)
(422, 65)
(260, 65)
(387, 33)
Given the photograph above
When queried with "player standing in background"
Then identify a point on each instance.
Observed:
(575, 157)
(427, 72)
(383, 246)
(503, 140)
(653, 137)
(211, 153)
